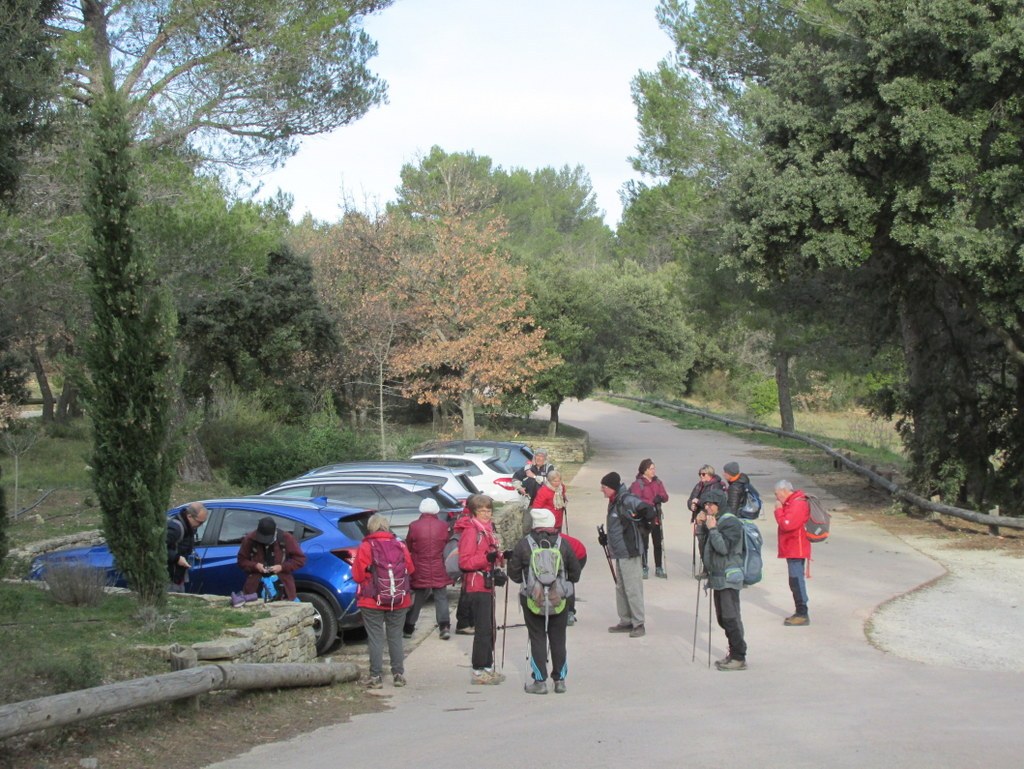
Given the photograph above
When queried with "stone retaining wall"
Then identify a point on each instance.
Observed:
(285, 636)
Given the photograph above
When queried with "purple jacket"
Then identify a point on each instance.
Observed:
(425, 540)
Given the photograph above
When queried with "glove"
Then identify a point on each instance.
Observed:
(507, 554)
(500, 578)
(492, 556)
(602, 538)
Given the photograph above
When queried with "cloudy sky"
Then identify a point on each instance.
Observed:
(528, 83)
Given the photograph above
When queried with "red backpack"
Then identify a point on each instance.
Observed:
(388, 584)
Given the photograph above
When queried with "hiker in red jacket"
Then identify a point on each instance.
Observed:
(383, 603)
(791, 513)
(478, 558)
(425, 540)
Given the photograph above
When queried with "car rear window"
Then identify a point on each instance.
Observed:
(354, 527)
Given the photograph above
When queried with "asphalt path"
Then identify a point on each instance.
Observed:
(811, 697)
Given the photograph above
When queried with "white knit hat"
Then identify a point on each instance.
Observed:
(429, 505)
(542, 519)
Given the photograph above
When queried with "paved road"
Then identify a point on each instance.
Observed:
(812, 697)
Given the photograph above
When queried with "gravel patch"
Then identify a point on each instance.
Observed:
(973, 617)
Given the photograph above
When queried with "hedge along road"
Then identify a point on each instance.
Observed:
(812, 696)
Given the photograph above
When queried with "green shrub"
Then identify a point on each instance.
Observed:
(72, 673)
(761, 397)
(290, 451)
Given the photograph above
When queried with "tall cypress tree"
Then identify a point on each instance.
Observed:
(130, 363)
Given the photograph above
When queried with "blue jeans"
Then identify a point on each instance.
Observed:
(797, 584)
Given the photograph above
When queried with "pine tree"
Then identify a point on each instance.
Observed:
(130, 365)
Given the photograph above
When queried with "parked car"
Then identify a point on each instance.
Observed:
(328, 535)
(489, 473)
(398, 498)
(513, 454)
(459, 484)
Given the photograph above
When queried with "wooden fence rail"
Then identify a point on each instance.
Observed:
(62, 709)
(992, 521)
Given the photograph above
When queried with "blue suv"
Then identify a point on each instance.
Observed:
(328, 534)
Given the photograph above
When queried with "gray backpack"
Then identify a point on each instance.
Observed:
(547, 585)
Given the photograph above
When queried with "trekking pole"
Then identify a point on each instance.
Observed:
(608, 556)
(696, 620)
(565, 519)
(709, 630)
(504, 628)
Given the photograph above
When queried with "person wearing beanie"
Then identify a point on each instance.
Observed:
(268, 551)
(651, 490)
(723, 556)
(622, 540)
(425, 540)
(738, 492)
(545, 623)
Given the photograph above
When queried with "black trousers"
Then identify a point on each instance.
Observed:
(481, 606)
(727, 610)
(657, 534)
(539, 642)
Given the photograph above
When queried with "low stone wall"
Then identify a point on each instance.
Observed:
(565, 449)
(285, 636)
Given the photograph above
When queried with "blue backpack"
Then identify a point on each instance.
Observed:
(753, 563)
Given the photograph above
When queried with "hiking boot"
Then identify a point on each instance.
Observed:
(399, 679)
(731, 664)
(660, 573)
(408, 631)
(464, 631)
(620, 628)
(237, 599)
(646, 572)
(487, 677)
(559, 686)
(536, 687)
(444, 632)
(797, 619)
(637, 632)
(250, 597)
(375, 682)
(723, 661)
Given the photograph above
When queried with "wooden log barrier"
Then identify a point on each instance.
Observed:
(63, 709)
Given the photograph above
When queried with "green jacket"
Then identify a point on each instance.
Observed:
(723, 553)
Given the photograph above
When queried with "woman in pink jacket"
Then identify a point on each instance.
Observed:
(791, 513)
(651, 490)
(478, 558)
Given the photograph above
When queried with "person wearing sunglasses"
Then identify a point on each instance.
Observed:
(708, 480)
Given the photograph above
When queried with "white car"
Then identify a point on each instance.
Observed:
(488, 473)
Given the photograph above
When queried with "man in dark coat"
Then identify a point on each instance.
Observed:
(530, 478)
(268, 551)
(626, 513)
(181, 543)
(548, 625)
(426, 540)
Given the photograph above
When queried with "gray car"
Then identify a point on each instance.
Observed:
(458, 484)
(397, 498)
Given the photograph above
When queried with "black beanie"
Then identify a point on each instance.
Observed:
(612, 481)
(731, 468)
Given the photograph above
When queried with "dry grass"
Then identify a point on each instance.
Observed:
(75, 584)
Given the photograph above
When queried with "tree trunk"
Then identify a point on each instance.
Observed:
(67, 403)
(553, 421)
(466, 402)
(785, 397)
(44, 384)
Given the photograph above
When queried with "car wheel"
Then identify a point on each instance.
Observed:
(325, 624)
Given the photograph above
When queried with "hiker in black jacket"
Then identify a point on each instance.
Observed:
(723, 557)
(549, 629)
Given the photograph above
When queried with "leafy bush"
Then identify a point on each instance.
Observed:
(761, 397)
(289, 451)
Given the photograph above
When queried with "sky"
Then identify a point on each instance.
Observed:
(528, 83)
